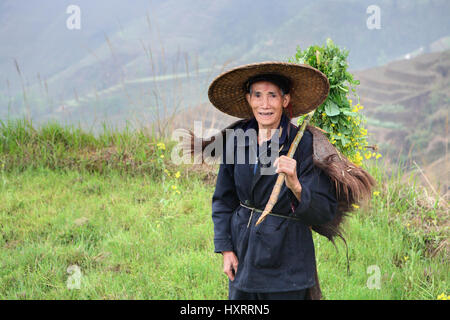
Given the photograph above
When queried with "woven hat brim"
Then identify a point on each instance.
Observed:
(309, 87)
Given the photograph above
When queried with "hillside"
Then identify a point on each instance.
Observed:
(404, 92)
(406, 103)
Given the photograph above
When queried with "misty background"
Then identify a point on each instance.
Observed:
(104, 67)
(142, 61)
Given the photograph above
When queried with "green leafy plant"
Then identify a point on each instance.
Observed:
(342, 121)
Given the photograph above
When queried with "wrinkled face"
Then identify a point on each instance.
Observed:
(267, 102)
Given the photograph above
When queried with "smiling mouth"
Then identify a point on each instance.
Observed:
(265, 113)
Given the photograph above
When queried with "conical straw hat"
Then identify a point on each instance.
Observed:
(308, 87)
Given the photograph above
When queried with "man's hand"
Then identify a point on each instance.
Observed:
(230, 264)
(289, 167)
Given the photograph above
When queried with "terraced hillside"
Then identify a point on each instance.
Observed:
(404, 95)
(406, 103)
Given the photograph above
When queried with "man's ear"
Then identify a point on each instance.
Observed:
(286, 100)
(247, 96)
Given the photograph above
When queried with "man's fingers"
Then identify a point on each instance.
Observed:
(288, 168)
(284, 161)
(230, 273)
(230, 266)
(275, 163)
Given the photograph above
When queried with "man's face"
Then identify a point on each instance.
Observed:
(267, 103)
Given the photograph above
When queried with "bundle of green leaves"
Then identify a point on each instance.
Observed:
(342, 121)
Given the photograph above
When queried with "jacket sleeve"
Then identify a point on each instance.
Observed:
(224, 202)
(318, 202)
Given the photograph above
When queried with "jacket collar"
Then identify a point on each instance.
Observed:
(283, 141)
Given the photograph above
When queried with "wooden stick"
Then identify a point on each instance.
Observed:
(280, 179)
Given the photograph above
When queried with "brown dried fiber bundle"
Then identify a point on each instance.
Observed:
(353, 184)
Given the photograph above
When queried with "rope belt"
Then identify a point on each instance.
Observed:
(270, 213)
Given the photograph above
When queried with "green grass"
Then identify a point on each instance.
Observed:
(135, 238)
(134, 235)
(24, 146)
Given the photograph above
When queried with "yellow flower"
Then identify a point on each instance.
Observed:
(406, 258)
(177, 174)
(376, 193)
(161, 146)
(368, 155)
(339, 134)
(358, 159)
(442, 296)
(378, 156)
(161, 156)
(355, 206)
(350, 101)
(175, 189)
(167, 172)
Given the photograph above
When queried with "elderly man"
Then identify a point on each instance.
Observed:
(275, 259)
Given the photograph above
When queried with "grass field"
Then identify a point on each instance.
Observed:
(150, 235)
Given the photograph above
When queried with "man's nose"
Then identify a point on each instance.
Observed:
(264, 101)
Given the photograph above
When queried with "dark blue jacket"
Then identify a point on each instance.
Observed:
(277, 255)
